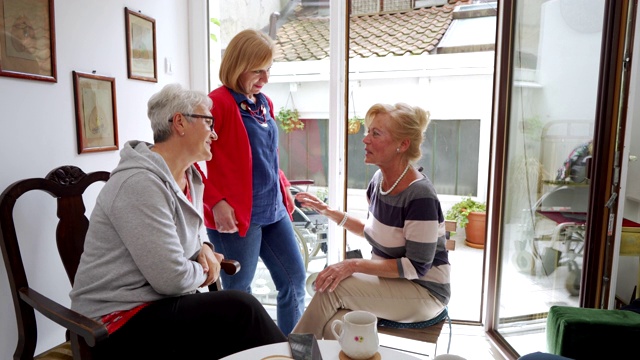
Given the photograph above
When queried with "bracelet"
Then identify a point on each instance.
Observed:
(344, 219)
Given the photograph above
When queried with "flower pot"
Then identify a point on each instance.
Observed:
(476, 230)
(354, 127)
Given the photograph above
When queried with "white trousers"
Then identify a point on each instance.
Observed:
(398, 300)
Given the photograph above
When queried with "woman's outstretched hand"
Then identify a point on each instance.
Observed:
(311, 201)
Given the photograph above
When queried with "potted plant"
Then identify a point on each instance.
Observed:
(289, 117)
(289, 120)
(354, 124)
(470, 215)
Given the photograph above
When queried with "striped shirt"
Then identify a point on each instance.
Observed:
(410, 227)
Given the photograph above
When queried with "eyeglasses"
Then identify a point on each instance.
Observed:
(209, 120)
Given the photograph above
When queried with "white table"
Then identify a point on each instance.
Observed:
(329, 349)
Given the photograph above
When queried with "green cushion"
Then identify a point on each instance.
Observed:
(580, 333)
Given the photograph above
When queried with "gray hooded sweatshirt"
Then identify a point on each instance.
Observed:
(143, 239)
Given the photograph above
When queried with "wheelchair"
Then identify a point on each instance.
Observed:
(553, 228)
(310, 227)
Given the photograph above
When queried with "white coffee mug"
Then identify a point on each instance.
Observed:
(358, 334)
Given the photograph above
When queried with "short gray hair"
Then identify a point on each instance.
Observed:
(173, 98)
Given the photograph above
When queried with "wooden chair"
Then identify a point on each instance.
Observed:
(67, 184)
(425, 331)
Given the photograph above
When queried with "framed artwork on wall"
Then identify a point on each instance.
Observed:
(27, 40)
(96, 116)
(141, 46)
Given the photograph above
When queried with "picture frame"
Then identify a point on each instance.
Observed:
(27, 40)
(96, 115)
(141, 46)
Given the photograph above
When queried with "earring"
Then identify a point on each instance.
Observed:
(398, 150)
(182, 134)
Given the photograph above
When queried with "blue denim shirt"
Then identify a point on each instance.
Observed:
(262, 131)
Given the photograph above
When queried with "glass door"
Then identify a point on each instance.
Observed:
(556, 55)
(556, 121)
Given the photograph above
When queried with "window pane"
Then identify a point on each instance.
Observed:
(450, 155)
(303, 153)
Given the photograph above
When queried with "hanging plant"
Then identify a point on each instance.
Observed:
(289, 118)
(355, 122)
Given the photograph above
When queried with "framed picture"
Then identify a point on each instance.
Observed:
(96, 119)
(141, 46)
(27, 39)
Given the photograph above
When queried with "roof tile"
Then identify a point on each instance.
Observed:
(391, 34)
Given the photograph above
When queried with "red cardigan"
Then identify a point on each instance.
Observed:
(229, 172)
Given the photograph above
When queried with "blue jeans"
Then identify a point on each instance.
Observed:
(277, 246)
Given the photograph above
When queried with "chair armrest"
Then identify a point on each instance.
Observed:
(230, 266)
(301, 182)
(92, 331)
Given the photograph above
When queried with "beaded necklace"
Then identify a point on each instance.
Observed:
(395, 183)
(256, 114)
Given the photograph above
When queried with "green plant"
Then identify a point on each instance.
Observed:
(323, 194)
(460, 210)
(356, 119)
(212, 36)
(289, 120)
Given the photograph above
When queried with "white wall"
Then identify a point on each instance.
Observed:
(579, 63)
(39, 131)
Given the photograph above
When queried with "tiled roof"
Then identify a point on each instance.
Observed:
(393, 34)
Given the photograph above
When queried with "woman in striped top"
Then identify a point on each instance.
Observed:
(407, 277)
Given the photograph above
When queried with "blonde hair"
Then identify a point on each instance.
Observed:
(248, 50)
(407, 122)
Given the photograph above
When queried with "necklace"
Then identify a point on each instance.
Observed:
(256, 114)
(395, 183)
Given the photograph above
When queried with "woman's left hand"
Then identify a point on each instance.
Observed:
(330, 277)
(210, 262)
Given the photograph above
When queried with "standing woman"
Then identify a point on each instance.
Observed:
(407, 277)
(247, 200)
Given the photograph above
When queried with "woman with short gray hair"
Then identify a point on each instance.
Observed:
(146, 254)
